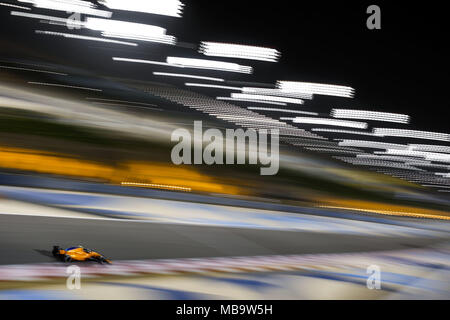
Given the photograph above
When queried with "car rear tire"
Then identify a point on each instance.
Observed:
(55, 251)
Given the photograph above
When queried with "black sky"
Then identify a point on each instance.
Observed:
(402, 68)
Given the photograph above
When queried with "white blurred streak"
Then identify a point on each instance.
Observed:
(389, 132)
(429, 165)
(180, 75)
(67, 22)
(331, 122)
(229, 112)
(171, 40)
(249, 118)
(331, 150)
(343, 131)
(404, 159)
(370, 115)
(301, 141)
(371, 144)
(63, 86)
(276, 92)
(84, 7)
(153, 185)
(33, 70)
(189, 63)
(430, 147)
(283, 110)
(14, 6)
(252, 100)
(171, 8)
(142, 61)
(208, 64)
(204, 85)
(443, 174)
(377, 163)
(436, 186)
(316, 88)
(266, 98)
(121, 101)
(421, 177)
(440, 157)
(129, 30)
(112, 104)
(79, 37)
(229, 50)
(85, 114)
(61, 2)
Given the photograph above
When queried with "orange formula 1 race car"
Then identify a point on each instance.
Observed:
(78, 253)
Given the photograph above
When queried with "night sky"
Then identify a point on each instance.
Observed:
(401, 68)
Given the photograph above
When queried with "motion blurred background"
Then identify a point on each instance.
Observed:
(90, 93)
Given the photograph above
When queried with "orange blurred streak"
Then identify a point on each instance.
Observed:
(145, 173)
(46, 162)
(383, 208)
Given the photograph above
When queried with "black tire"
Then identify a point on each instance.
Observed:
(55, 251)
(103, 261)
(67, 258)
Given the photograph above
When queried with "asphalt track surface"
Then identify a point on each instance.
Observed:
(29, 239)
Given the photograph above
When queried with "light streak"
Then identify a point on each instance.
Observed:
(192, 63)
(129, 30)
(33, 70)
(342, 131)
(429, 147)
(283, 110)
(204, 85)
(389, 132)
(266, 98)
(252, 100)
(369, 115)
(208, 64)
(181, 75)
(14, 6)
(316, 88)
(79, 37)
(78, 6)
(276, 92)
(67, 22)
(371, 144)
(153, 185)
(171, 8)
(229, 50)
(62, 85)
(331, 122)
